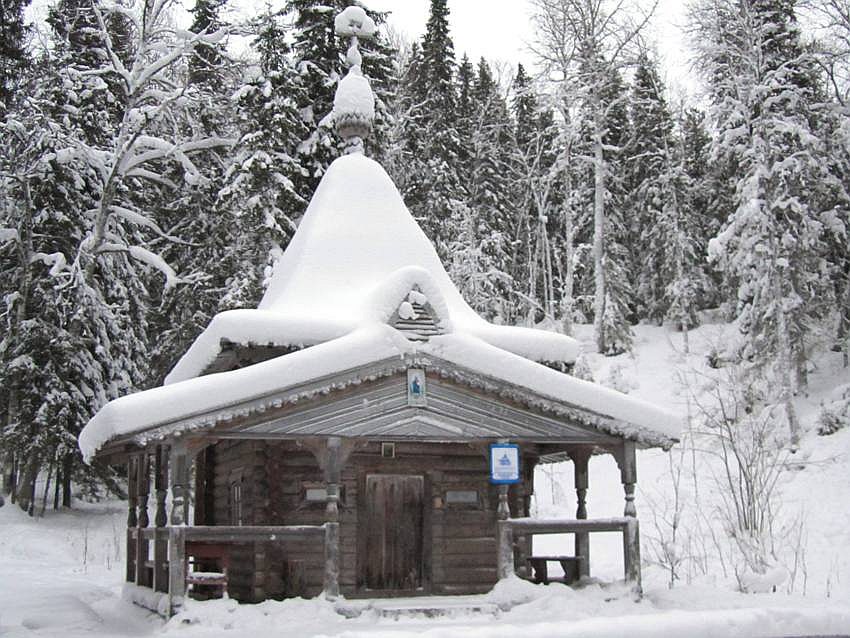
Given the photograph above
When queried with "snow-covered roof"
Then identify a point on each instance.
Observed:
(356, 237)
(204, 401)
(361, 284)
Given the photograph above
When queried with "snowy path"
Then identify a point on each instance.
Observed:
(55, 581)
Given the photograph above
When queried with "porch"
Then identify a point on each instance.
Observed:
(159, 551)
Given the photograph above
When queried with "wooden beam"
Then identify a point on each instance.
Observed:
(132, 518)
(160, 544)
(505, 565)
(631, 555)
(143, 576)
(332, 468)
(176, 568)
(581, 460)
(179, 478)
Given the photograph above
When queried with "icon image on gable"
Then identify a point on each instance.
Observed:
(416, 387)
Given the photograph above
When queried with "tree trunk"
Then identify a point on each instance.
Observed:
(10, 475)
(46, 491)
(786, 359)
(67, 471)
(598, 233)
(56, 489)
(22, 486)
(567, 301)
(26, 485)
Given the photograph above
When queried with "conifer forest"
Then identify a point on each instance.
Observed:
(151, 171)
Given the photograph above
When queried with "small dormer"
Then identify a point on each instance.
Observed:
(416, 318)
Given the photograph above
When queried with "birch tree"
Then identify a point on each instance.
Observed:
(583, 45)
(103, 134)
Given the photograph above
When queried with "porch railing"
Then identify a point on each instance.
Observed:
(166, 573)
(512, 528)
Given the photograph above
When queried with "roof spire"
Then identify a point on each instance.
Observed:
(354, 103)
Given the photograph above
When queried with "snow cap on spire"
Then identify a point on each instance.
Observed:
(354, 102)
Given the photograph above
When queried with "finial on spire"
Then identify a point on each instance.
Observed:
(354, 103)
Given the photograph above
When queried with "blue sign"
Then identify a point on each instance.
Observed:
(504, 463)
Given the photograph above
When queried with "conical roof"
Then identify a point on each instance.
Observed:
(356, 232)
(356, 254)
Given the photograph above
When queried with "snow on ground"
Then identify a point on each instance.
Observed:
(61, 575)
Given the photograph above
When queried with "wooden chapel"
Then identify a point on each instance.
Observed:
(347, 436)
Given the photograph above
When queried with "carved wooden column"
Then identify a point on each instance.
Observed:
(628, 476)
(160, 547)
(581, 460)
(179, 479)
(143, 577)
(332, 466)
(132, 519)
(627, 462)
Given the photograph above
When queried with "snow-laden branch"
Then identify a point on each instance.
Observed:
(145, 256)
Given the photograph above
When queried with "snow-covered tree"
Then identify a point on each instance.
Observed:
(14, 57)
(206, 58)
(537, 171)
(772, 248)
(480, 244)
(434, 189)
(114, 136)
(585, 44)
(647, 163)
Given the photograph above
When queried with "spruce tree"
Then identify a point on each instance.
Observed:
(435, 190)
(206, 58)
(479, 250)
(772, 247)
(648, 167)
(14, 58)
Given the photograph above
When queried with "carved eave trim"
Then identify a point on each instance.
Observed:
(237, 413)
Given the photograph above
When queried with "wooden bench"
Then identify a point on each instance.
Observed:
(201, 554)
(570, 565)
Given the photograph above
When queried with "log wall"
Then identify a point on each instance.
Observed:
(460, 540)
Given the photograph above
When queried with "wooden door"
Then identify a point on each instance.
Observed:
(393, 529)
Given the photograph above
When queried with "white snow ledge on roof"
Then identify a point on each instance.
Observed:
(161, 406)
(282, 328)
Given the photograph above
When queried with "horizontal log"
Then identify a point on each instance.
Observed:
(441, 531)
(463, 588)
(469, 561)
(465, 574)
(566, 526)
(250, 533)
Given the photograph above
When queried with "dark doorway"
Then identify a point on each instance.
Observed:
(393, 529)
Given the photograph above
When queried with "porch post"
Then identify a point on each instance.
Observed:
(627, 461)
(132, 519)
(176, 568)
(581, 459)
(160, 547)
(506, 536)
(628, 476)
(332, 480)
(179, 479)
(143, 486)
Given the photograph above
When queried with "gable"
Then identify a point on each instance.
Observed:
(380, 408)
